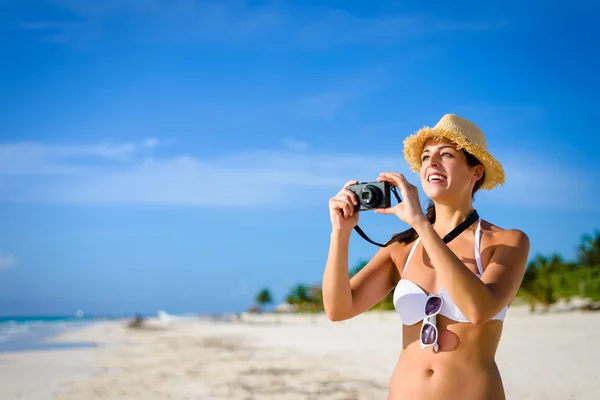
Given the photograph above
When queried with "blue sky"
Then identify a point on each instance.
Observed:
(179, 155)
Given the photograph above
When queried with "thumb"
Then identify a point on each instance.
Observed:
(387, 210)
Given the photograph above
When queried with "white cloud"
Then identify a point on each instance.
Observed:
(238, 22)
(151, 142)
(42, 158)
(254, 177)
(532, 181)
(7, 260)
(248, 178)
(294, 144)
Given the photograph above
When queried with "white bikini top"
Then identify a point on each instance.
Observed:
(409, 298)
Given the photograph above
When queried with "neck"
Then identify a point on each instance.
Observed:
(448, 217)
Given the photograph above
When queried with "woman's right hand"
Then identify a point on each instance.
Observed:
(341, 209)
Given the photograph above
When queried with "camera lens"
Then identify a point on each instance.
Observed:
(369, 196)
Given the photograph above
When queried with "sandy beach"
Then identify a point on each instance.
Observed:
(541, 356)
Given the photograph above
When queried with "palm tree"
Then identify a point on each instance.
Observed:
(299, 296)
(264, 297)
(538, 281)
(529, 285)
(589, 250)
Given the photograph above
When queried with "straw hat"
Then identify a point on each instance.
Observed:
(465, 135)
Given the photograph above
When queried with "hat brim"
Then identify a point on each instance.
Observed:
(413, 146)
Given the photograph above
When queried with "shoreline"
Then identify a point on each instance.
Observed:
(288, 356)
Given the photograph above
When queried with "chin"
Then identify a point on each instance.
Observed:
(440, 199)
(438, 194)
(432, 191)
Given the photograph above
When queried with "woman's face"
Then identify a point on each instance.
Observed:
(445, 173)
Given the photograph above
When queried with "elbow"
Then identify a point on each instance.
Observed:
(334, 316)
(338, 318)
(337, 310)
(479, 317)
(481, 312)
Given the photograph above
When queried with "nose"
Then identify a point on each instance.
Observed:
(434, 160)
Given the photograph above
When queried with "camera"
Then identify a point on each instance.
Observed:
(371, 195)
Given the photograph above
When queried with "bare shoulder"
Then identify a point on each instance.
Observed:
(514, 240)
(399, 253)
(507, 255)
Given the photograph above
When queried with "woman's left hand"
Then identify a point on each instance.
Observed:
(409, 210)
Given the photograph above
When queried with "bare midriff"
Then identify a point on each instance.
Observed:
(464, 366)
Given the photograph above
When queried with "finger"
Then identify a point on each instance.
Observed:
(349, 183)
(406, 186)
(344, 206)
(391, 175)
(399, 180)
(337, 203)
(349, 209)
(387, 210)
(350, 195)
(393, 181)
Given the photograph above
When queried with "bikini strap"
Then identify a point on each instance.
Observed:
(478, 248)
(410, 255)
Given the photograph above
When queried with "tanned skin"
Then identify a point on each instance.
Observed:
(464, 367)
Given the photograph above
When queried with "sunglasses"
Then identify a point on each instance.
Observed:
(429, 332)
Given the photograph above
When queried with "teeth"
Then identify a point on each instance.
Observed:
(436, 177)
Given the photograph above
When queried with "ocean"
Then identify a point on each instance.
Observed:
(23, 333)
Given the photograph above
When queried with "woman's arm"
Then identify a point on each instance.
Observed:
(479, 299)
(345, 298)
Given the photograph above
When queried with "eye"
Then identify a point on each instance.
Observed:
(447, 154)
(424, 158)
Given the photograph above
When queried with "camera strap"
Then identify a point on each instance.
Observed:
(394, 190)
(474, 216)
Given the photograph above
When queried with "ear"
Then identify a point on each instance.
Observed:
(478, 172)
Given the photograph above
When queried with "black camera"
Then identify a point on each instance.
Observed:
(371, 195)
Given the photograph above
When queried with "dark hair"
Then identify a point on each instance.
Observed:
(410, 235)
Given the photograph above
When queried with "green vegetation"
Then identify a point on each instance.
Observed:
(306, 298)
(549, 279)
(263, 297)
(546, 281)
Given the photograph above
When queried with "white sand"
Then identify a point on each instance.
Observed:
(553, 356)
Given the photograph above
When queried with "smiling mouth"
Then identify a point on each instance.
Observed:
(436, 178)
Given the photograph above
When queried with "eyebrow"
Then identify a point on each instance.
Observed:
(441, 147)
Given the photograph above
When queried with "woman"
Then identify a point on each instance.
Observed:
(451, 294)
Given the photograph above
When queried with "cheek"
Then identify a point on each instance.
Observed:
(460, 174)
(454, 167)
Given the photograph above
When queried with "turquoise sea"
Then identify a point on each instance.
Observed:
(22, 333)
